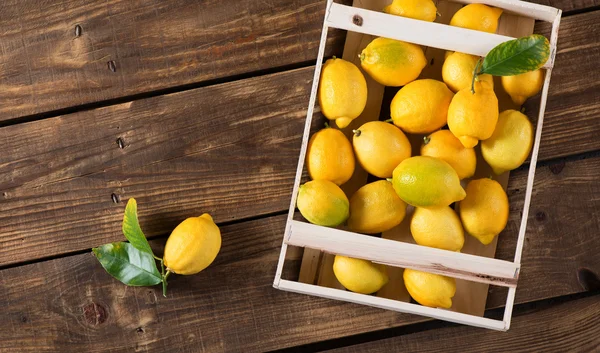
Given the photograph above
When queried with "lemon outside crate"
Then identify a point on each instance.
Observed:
(362, 21)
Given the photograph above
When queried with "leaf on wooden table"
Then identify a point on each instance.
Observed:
(517, 56)
(128, 264)
(132, 230)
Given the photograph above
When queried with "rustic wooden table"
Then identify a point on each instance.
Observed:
(199, 106)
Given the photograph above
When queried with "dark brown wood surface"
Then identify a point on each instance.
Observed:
(232, 307)
(572, 326)
(231, 149)
(153, 45)
(185, 151)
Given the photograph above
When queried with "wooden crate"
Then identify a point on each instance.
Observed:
(475, 267)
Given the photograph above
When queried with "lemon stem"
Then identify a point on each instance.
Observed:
(164, 282)
(438, 14)
(356, 132)
(389, 179)
(389, 121)
(326, 125)
(475, 74)
(426, 139)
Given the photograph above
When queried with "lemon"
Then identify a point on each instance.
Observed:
(429, 289)
(323, 203)
(457, 71)
(437, 227)
(380, 147)
(473, 116)
(427, 182)
(444, 145)
(423, 10)
(484, 212)
(392, 62)
(360, 276)
(375, 208)
(192, 246)
(421, 106)
(478, 17)
(329, 156)
(342, 91)
(523, 86)
(511, 142)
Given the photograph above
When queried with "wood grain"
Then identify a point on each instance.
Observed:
(232, 306)
(229, 150)
(153, 44)
(572, 326)
(233, 145)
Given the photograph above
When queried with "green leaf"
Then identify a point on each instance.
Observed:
(517, 56)
(128, 264)
(132, 230)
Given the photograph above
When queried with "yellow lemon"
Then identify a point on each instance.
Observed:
(323, 203)
(375, 208)
(478, 17)
(427, 182)
(342, 91)
(444, 145)
(192, 246)
(360, 276)
(329, 156)
(429, 289)
(423, 10)
(437, 227)
(484, 212)
(380, 147)
(392, 62)
(523, 86)
(421, 106)
(473, 116)
(511, 142)
(457, 71)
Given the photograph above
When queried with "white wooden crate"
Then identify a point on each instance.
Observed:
(400, 254)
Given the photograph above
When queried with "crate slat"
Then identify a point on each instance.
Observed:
(430, 34)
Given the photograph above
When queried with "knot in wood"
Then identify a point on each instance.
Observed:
(112, 66)
(357, 20)
(540, 216)
(78, 31)
(556, 168)
(115, 198)
(588, 279)
(94, 314)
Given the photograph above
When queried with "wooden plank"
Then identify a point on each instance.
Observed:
(232, 306)
(154, 45)
(572, 326)
(57, 175)
(230, 150)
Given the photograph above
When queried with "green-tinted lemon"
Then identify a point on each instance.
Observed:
(329, 156)
(511, 142)
(380, 147)
(427, 182)
(375, 208)
(437, 227)
(421, 106)
(342, 91)
(429, 289)
(323, 203)
(423, 10)
(392, 62)
(360, 276)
